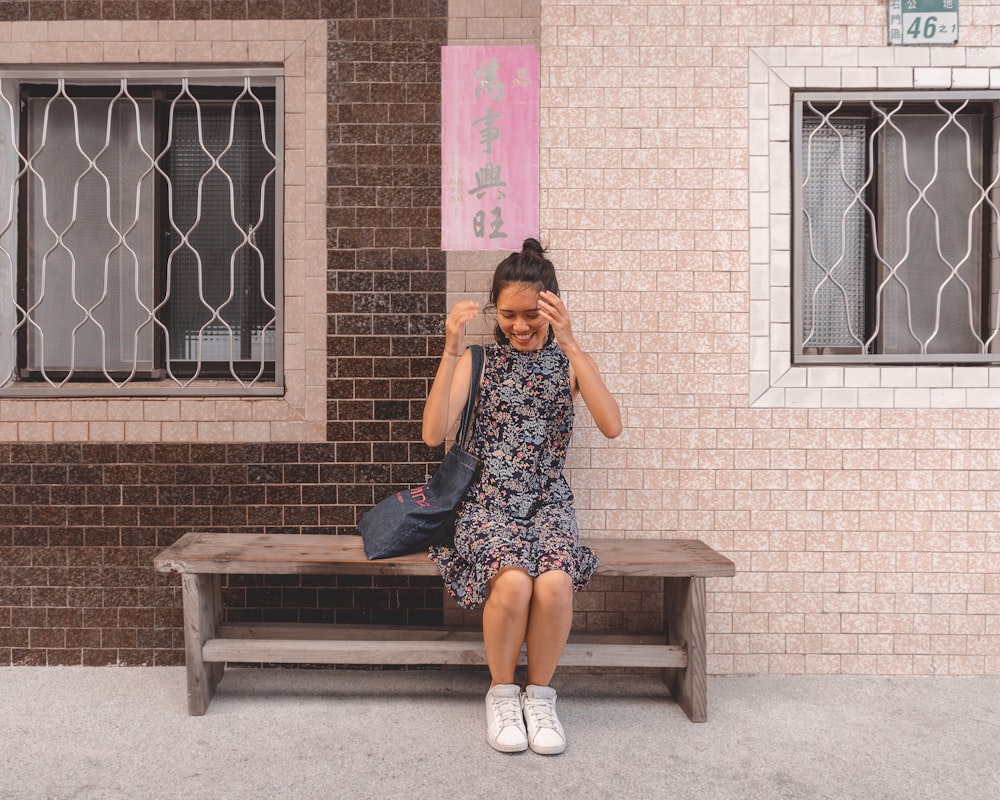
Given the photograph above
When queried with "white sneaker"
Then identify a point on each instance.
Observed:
(545, 733)
(504, 720)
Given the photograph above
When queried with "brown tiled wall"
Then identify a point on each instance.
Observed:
(187, 9)
(386, 269)
(79, 523)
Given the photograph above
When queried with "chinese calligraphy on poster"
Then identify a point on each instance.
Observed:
(489, 147)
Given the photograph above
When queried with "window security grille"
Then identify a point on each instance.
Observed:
(895, 241)
(140, 233)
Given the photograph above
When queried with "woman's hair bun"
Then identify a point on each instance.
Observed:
(532, 246)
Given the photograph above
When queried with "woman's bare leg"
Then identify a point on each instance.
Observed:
(505, 622)
(549, 622)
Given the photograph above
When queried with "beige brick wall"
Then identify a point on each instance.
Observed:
(859, 507)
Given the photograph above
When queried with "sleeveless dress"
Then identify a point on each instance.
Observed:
(519, 510)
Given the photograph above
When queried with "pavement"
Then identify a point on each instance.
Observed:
(124, 732)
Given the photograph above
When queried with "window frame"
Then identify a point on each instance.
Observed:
(987, 269)
(229, 77)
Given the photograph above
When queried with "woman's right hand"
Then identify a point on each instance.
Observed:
(454, 326)
(450, 388)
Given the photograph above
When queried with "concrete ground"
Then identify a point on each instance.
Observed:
(107, 732)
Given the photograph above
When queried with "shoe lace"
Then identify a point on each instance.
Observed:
(543, 713)
(507, 709)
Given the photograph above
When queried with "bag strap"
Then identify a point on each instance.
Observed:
(468, 414)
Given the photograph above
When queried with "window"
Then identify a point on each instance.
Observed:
(140, 232)
(895, 220)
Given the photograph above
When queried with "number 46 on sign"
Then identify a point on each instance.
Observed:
(923, 21)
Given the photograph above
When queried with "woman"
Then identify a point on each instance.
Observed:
(516, 540)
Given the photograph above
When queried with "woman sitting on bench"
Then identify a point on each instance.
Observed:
(516, 539)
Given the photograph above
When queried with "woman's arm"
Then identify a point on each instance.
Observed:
(600, 402)
(448, 393)
(585, 377)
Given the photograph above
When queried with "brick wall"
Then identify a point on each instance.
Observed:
(80, 521)
(858, 504)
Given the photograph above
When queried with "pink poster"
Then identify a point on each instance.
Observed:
(489, 147)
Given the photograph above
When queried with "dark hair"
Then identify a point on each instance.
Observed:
(530, 267)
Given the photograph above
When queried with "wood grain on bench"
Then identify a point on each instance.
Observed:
(316, 554)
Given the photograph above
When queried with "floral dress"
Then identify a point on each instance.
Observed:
(519, 510)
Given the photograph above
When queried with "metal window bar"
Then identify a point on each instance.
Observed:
(896, 238)
(140, 233)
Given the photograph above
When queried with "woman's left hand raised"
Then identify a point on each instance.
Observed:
(553, 309)
(583, 373)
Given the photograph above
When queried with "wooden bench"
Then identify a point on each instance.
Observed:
(202, 558)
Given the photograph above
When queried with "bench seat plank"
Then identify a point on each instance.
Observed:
(317, 554)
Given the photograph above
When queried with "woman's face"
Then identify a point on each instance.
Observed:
(519, 319)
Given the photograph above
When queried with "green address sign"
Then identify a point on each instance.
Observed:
(923, 21)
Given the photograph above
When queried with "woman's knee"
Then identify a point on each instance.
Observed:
(553, 588)
(512, 588)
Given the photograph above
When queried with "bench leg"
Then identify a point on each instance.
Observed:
(202, 610)
(684, 623)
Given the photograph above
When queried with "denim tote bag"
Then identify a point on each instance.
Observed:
(414, 519)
